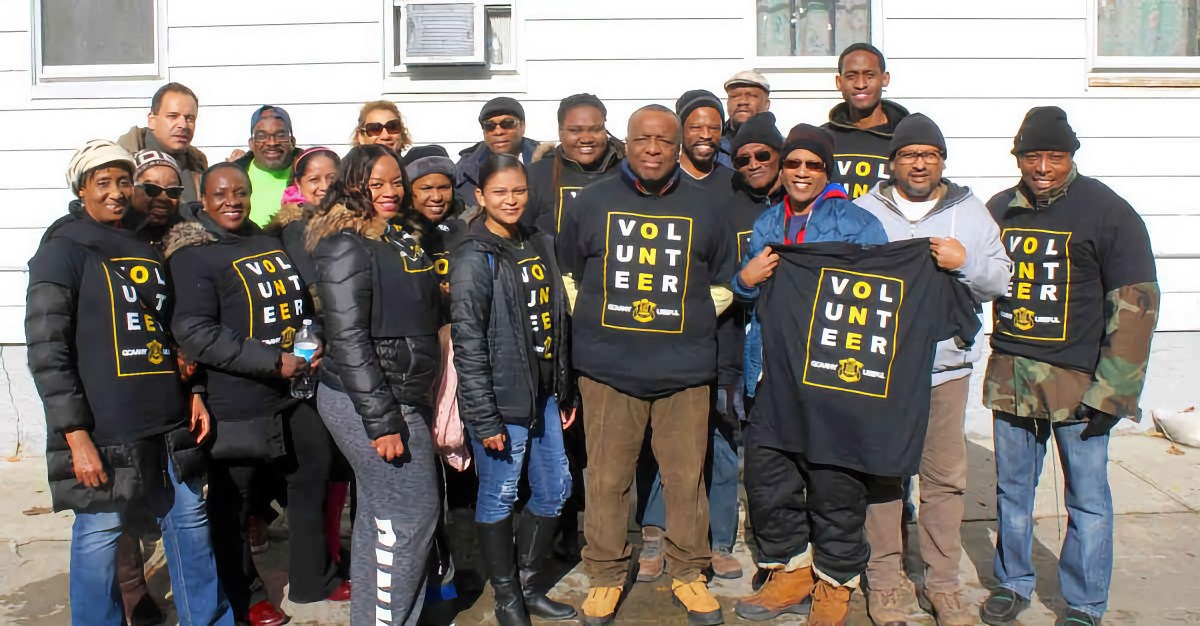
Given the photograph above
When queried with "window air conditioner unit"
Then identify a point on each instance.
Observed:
(442, 33)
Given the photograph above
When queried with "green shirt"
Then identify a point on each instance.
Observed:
(267, 192)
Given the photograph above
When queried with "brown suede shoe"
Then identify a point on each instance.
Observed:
(725, 565)
(784, 592)
(948, 609)
(887, 607)
(651, 561)
(831, 605)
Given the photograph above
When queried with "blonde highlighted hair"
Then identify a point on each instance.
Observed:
(405, 140)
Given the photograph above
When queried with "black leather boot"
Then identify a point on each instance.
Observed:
(496, 546)
(535, 538)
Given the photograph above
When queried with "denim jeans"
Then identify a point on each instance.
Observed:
(723, 480)
(199, 598)
(1085, 565)
(500, 471)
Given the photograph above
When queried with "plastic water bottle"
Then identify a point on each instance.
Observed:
(305, 346)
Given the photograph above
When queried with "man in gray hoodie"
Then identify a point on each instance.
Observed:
(965, 241)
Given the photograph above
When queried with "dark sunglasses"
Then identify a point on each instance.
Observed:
(375, 129)
(507, 123)
(762, 156)
(812, 166)
(153, 191)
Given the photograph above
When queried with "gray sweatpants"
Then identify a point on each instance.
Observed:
(398, 509)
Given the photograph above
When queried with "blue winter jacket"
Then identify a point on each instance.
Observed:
(833, 218)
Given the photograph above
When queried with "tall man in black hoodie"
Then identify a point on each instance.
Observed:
(863, 125)
(647, 260)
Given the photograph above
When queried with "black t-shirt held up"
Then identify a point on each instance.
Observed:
(848, 346)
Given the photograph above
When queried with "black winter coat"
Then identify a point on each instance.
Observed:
(497, 379)
(239, 303)
(103, 361)
(379, 303)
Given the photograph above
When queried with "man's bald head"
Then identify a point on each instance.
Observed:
(652, 145)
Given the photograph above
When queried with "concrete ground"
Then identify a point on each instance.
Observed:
(1156, 493)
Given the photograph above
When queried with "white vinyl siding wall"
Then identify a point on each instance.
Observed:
(974, 67)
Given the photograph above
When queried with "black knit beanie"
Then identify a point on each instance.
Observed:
(698, 99)
(1045, 128)
(500, 106)
(758, 129)
(420, 152)
(808, 137)
(917, 129)
(579, 99)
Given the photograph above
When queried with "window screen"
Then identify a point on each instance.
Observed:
(440, 30)
(811, 27)
(94, 32)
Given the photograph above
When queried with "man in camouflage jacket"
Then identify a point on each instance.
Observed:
(1069, 353)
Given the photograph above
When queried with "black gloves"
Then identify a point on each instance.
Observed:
(1098, 422)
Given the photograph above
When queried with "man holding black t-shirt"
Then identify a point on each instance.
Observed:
(1069, 352)
(646, 262)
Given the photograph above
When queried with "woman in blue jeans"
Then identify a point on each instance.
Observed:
(508, 315)
(122, 433)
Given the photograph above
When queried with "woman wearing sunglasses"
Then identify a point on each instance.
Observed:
(812, 211)
(379, 122)
(157, 190)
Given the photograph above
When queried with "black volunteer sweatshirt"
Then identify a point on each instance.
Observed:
(239, 303)
(862, 155)
(742, 210)
(100, 351)
(555, 182)
(644, 321)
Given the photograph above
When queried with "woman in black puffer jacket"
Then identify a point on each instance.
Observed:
(508, 314)
(379, 298)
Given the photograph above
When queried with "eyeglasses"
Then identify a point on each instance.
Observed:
(280, 137)
(375, 129)
(908, 158)
(507, 123)
(153, 191)
(762, 156)
(795, 164)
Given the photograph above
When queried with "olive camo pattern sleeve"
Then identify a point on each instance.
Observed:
(1132, 313)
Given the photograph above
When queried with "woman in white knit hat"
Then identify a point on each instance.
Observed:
(118, 434)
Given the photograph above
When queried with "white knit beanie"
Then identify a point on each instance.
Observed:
(94, 154)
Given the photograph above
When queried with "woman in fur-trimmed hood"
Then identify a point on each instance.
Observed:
(379, 298)
(239, 303)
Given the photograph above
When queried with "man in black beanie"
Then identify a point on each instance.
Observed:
(863, 124)
(918, 203)
(503, 122)
(584, 154)
(1069, 350)
(703, 117)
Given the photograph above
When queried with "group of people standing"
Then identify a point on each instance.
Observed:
(617, 311)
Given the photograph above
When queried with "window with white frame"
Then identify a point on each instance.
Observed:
(433, 33)
(1147, 35)
(811, 28)
(92, 40)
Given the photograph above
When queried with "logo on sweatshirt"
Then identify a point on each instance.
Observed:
(139, 293)
(1036, 303)
(275, 293)
(646, 256)
(852, 332)
(644, 310)
(850, 370)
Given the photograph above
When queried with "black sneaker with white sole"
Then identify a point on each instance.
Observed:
(1002, 607)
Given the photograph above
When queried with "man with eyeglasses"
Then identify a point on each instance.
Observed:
(1069, 353)
(778, 479)
(503, 123)
(170, 127)
(918, 202)
(862, 126)
(269, 162)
